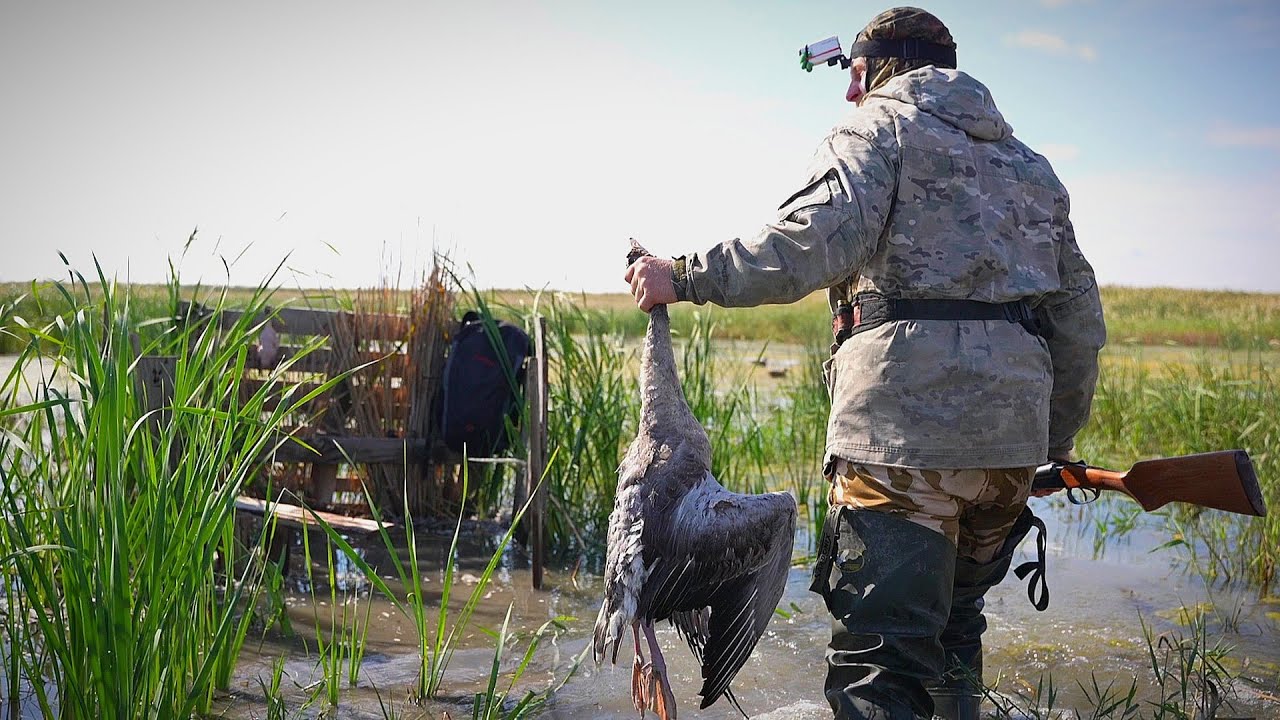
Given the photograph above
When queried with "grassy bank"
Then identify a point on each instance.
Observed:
(1141, 316)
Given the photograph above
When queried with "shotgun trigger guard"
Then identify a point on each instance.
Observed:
(1082, 495)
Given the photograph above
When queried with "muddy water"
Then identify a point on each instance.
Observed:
(1091, 629)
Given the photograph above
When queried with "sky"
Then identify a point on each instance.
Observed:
(529, 140)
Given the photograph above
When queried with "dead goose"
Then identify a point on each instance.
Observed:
(684, 549)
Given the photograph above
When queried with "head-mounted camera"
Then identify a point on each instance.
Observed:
(828, 52)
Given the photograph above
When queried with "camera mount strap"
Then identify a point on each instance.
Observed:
(908, 49)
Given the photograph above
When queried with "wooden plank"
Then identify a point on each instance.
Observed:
(301, 321)
(300, 517)
(153, 380)
(324, 360)
(335, 450)
(538, 449)
(321, 483)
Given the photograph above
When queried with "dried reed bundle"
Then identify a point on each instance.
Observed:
(405, 336)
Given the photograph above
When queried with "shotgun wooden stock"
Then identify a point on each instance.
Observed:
(1222, 480)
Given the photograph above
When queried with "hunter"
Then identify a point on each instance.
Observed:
(968, 329)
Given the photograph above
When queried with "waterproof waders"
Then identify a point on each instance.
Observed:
(887, 582)
(959, 693)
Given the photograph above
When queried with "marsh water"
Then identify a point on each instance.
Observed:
(1108, 576)
(1101, 595)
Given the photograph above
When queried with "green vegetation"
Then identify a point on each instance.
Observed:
(1141, 316)
(1189, 678)
(1149, 404)
(1184, 409)
(121, 597)
(127, 594)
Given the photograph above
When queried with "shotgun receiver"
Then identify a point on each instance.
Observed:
(1223, 480)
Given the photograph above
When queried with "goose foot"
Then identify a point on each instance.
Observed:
(639, 696)
(658, 686)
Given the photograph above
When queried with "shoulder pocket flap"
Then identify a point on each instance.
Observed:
(815, 194)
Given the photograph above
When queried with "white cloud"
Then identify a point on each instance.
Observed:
(1264, 138)
(1051, 44)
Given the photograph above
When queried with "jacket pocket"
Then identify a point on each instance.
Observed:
(815, 194)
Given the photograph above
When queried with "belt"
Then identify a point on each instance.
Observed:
(871, 309)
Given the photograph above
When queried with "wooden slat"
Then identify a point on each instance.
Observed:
(299, 321)
(153, 380)
(538, 449)
(321, 483)
(301, 517)
(335, 450)
(319, 361)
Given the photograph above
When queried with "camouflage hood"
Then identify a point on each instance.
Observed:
(952, 96)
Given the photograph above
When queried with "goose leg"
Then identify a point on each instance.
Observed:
(639, 697)
(659, 690)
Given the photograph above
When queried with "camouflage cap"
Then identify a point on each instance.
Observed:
(901, 23)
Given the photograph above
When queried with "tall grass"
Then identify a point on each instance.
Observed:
(1200, 318)
(437, 638)
(758, 442)
(1186, 409)
(114, 518)
(1188, 680)
(777, 442)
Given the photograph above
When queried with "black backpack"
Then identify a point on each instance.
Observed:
(478, 394)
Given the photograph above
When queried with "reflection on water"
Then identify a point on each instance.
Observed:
(1091, 628)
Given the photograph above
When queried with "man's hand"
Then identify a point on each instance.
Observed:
(652, 281)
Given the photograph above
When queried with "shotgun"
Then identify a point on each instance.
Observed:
(1222, 480)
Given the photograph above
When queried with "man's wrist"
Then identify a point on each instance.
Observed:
(680, 278)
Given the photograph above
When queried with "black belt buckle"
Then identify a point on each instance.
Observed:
(1020, 312)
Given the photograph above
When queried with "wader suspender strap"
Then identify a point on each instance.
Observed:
(826, 551)
(1036, 569)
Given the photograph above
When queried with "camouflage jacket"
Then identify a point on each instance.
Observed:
(923, 192)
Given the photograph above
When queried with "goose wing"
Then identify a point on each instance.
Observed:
(717, 567)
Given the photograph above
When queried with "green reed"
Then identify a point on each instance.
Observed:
(1183, 409)
(341, 648)
(759, 442)
(115, 518)
(494, 703)
(1189, 678)
(595, 405)
(277, 708)
(437, 640)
